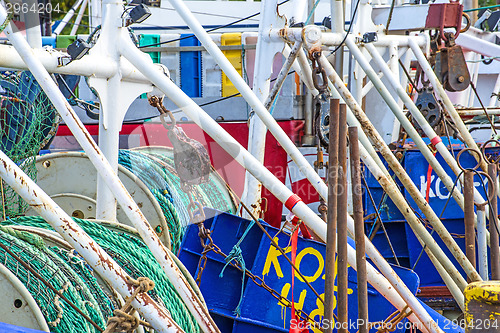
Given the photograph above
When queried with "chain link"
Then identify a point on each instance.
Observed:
(157, 102)
(317, 70)
(210, 246)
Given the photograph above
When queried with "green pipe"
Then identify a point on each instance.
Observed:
(474, 9)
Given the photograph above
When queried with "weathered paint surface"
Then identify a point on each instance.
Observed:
(482, 307)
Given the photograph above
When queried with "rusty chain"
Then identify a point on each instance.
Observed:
(157, 102)
(317, 70)
(210, 246)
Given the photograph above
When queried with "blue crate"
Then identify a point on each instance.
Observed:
(417, 168)
(49, 41)
(191, 71)
(260, 311)
(396, 231)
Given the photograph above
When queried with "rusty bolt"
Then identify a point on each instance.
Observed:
(322, 208)
(461, 78)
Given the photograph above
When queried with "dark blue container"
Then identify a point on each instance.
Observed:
(260, 311)
(424, 267)
(49, 41)
(191, 72)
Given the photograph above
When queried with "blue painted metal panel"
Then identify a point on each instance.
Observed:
(191, 74)
(16, 329)
(389, 211)
(424, 268)
(260, 311)
(417, 167)
(396, 232)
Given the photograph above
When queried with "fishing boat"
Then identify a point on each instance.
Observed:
(241, 166)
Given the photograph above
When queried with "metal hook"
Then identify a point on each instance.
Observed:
(473, 150)
(483, 151)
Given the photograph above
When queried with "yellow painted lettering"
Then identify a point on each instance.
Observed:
(272, 259)
(321, 263)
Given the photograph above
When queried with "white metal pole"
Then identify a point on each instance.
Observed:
(97, 258)
(264, 58)
(95, 13)
(251, 98)
(79, 17)
(482, 245)
(280, 191)
(299, 11)
(112, 181)
(394, 66)
(112, 109)
(33, 28)
(110, 120)
(66, 18)
(442, 96)
(399, 170)
(473, 79)
(496, 90)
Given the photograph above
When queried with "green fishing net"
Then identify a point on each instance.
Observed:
(28, 121)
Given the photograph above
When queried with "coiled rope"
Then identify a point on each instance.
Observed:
(128, 251)
(53, 271)
(158, 173)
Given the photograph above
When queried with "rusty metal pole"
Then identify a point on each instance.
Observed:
(342, 223)
(470, 233)
(359, 233)
(494, 250)
(331, 231)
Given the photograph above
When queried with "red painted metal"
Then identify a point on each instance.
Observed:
(154, 134)
(445, 15)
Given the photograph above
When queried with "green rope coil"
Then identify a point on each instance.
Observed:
(159, 175)
(135, 258)
(59, 315)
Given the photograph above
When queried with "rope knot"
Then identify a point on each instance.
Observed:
(124, 322)
(203, 232)
(143, 284)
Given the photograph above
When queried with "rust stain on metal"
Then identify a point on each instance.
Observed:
(313, 51)
(282, 32)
